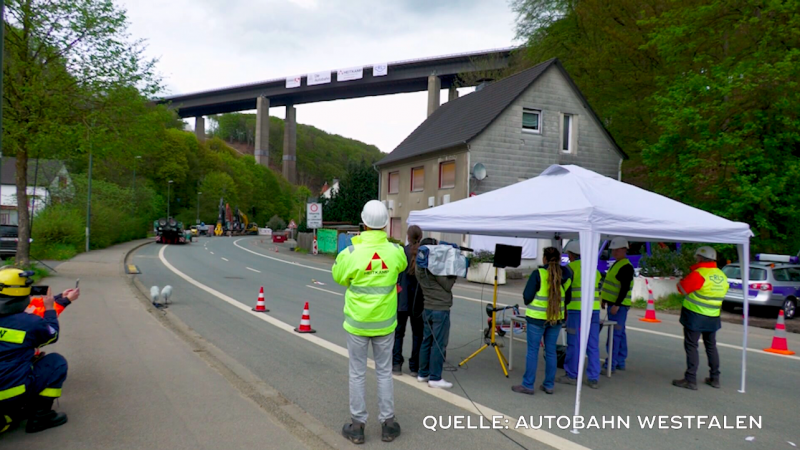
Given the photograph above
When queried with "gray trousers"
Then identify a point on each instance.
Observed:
(357, 347)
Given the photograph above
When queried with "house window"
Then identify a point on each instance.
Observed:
(447, 175)
(567, 137)
(394, 182)
(531, 120)
(396, 228)
(417, 179)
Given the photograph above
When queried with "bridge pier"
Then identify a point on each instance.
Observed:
(434, 88)
(200, 128)
(262, 131)
(452, 93)
(290, 145)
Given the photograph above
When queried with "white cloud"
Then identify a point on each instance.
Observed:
(208, 44)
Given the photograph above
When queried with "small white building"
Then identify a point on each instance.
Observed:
(52, 179)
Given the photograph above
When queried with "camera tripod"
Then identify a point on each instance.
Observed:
(492, 342)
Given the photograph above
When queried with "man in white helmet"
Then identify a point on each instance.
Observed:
(369, 269)
(704, 288)
(616, 296)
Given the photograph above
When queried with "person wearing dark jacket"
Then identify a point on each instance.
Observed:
(409, 306)
(438, 294)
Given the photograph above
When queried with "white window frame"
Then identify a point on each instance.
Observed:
(532, 111)
(572, 138)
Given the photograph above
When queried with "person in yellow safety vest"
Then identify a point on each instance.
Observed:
(546, 295)
(704, 288)
(369, 269)
(573, 250)
(615, 293)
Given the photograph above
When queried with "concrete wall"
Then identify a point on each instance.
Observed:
(661, 288)
(406, 201)
(512, 155)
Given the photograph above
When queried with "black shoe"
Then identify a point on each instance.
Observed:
(593, 384)
(354, 432)
(713, 382)
(567, 380)
(414, 373)
(390, 430)
(397, 369)
(685, 384)
(546, 390)
(42, 420)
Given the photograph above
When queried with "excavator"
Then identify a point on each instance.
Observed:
(247, 227)
(233, 223)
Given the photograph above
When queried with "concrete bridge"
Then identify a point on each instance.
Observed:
(428, 74)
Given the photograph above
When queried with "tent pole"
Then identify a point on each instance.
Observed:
(744, 257)
(590, 243)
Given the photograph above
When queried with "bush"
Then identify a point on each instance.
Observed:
(276, 223)
(483, 256)
(666, 263)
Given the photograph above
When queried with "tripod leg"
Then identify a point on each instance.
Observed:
(500, 352)
(500, 358)
(473, 355)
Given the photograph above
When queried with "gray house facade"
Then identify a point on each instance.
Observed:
(515, 128)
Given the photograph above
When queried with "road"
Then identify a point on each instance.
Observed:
(216, 282)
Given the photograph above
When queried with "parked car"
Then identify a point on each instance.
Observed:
(635, 253)
(194, 230)
(771, 284)
(8, 241)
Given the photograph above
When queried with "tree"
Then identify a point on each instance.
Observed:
(66, 61)
(359, 185)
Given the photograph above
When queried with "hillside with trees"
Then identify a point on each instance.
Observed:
(321, 156)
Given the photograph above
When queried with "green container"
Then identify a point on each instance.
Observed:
(326, 240)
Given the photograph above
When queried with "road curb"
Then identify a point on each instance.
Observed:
(303, 426)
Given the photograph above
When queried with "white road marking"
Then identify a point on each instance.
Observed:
(254, 270)
(212, 253)
(456, 400)
(325, 290)
(522, 308)
(224, 259)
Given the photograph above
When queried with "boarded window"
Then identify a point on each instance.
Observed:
(447, 175)
(394, 182)
(396, 229)
(417, 179)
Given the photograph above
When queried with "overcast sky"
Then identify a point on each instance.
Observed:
(208, 44)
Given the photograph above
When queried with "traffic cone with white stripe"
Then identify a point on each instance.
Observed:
(779, 344)
(260, 305)
(650, 313)
(305, 322)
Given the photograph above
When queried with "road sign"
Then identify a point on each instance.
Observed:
(314, 215)
(292, 225)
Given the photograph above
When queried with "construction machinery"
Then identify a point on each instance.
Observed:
(170, 231)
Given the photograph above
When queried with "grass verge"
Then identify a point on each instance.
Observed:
(672, 302)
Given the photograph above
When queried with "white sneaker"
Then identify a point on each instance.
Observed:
(422, 379)
(442, 384)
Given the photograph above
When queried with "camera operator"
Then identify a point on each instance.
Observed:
(438, 299)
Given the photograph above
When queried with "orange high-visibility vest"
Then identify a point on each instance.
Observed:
(36, 307)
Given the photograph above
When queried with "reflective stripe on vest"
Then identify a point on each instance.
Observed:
(611, 285)
(538, 307)
(575, 290)
(13, 392)
(11, 335)
(707, 300)
(370, 325)
(372, 290)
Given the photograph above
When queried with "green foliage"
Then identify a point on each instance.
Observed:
(356, 188)
(702, 95)
(483, 256)
(672, 302)
(276, 224)
(320, 156)
(666, 263)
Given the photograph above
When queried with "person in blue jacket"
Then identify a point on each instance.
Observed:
(28, 384)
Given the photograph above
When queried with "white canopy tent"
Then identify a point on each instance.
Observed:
(568, 202)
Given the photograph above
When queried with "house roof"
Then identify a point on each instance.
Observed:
(461, 120)
(48, 170)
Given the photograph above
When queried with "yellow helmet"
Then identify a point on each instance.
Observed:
(15, 282)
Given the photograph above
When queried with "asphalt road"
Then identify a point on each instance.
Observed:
(219, 281)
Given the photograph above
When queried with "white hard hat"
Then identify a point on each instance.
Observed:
(573, 246)
(618, 242)
(706, 252)
(375, 215)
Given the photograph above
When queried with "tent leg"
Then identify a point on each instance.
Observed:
(744, 257)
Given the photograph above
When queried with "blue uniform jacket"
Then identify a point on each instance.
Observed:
(20, 335)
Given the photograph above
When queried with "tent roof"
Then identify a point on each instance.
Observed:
(570, 199)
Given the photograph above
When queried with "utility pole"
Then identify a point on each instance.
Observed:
(168, 197)
(198, 207)
(89, 200)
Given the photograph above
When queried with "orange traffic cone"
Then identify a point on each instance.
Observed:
(650, 313)
(779, 344)
(260, 305)
(305, 322)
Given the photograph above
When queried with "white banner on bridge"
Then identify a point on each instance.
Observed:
(380, 70)
(293, 82)
(355, 73)
(318, 78)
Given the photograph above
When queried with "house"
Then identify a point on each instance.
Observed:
(515, 128)
(329, 191)
(51, 180)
